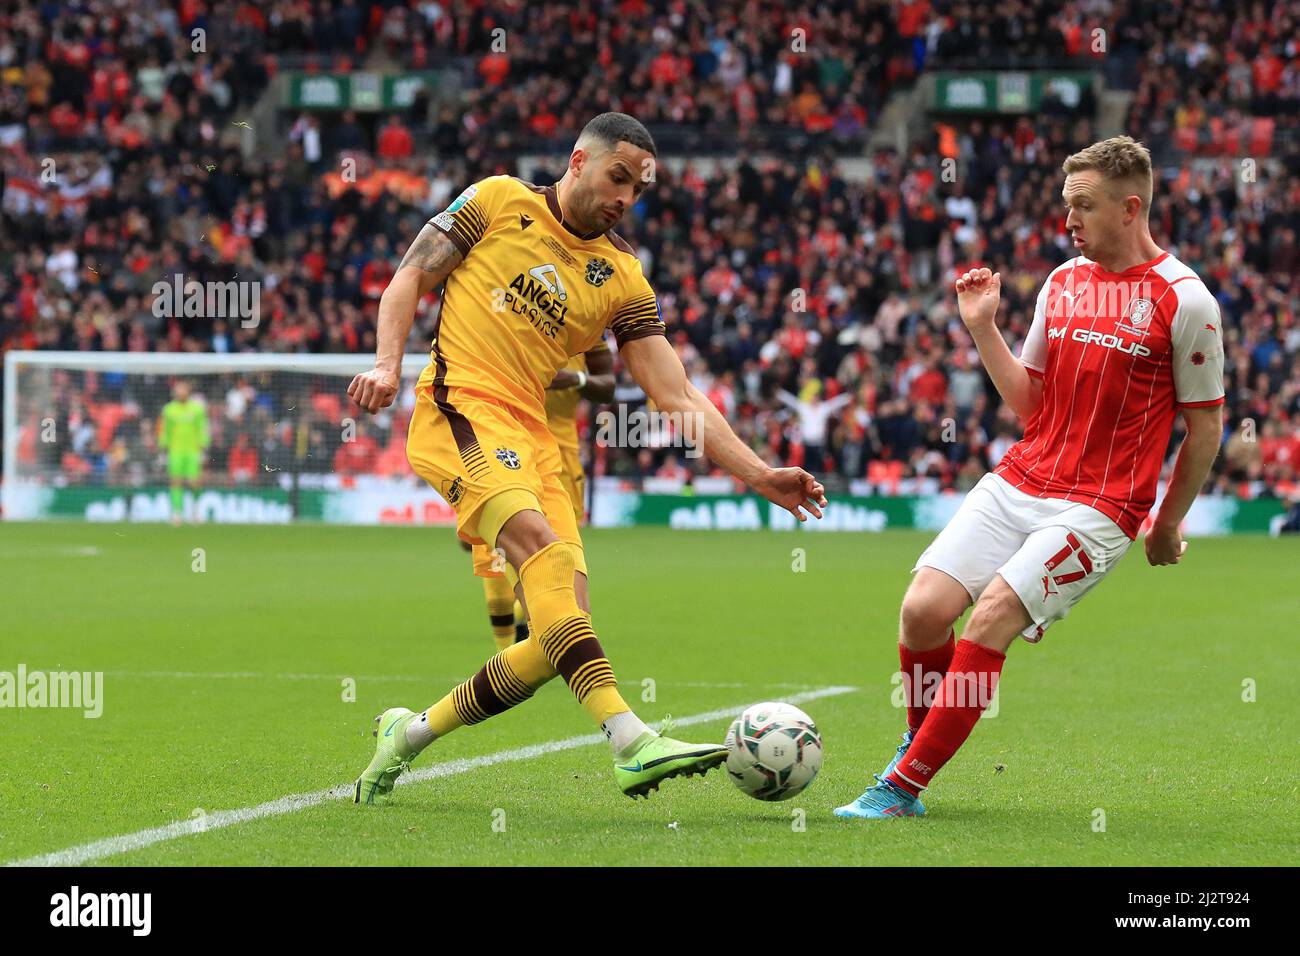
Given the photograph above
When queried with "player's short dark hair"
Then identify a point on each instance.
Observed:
(610, 129)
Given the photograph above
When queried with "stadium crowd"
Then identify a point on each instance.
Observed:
(811, 305)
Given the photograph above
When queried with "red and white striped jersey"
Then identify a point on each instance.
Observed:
(1118, 354)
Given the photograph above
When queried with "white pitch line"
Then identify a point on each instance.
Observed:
(98, 849)
(60, 551)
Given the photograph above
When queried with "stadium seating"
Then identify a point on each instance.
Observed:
(151, 181)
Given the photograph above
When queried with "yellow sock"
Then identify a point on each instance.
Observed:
(605, 702)
(564, 632)
(510, 677)
(443, 716)
(501, 610)
(528, 661)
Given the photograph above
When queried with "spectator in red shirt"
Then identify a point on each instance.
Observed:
(1267, 72)
(65, 121)
(912, 15)
(666, 69)
(376, 275)
(242, 464)
(315, 261)
(494, 68)
(356, 457)
(544, 122)
(721, 281)
(395, 140)
(931, 386)
(793, 337)
(1278, 447)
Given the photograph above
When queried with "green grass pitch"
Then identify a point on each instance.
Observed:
(224, 689)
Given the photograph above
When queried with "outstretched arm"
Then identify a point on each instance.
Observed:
(657, 369)
(789, 399)
(426, 265)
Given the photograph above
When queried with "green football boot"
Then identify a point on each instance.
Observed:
(656, 758)
(392, 756)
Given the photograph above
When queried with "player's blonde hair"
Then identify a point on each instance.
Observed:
(1123, 162)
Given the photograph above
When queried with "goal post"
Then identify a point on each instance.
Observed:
(84, 438)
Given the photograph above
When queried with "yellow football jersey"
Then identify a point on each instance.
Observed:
(529, 294)
(562, 407)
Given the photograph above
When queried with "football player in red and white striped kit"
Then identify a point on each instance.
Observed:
(1124, 339)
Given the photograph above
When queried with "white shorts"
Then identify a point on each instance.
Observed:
(1051, 551)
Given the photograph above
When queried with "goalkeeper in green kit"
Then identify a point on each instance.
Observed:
(183, 433)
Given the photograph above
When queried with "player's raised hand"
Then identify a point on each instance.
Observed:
(374, 390)
(1164, 545)
(978, 293)
(793, 489)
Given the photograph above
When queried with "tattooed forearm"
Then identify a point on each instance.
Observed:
(432, 252)
(432, 257)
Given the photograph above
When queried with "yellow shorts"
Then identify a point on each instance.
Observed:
(489, 564)
(471, 448)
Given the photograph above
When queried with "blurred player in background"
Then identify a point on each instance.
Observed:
(183, 434)
(534, 276)
(1124, 338)
(589, 376)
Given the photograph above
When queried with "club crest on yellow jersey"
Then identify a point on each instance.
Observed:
(598, 270)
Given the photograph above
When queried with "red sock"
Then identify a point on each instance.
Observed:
(918, 669)
(966, 690)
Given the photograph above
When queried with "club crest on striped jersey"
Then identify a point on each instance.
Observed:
(598, 270)
(1137, 317)
(508, 458)
(1139, 312)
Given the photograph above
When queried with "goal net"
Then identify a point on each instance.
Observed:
(86, 435)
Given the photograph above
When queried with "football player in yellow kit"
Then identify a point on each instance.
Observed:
(533, 276)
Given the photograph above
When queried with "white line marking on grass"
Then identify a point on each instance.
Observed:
(99, 849)
(57, 551)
